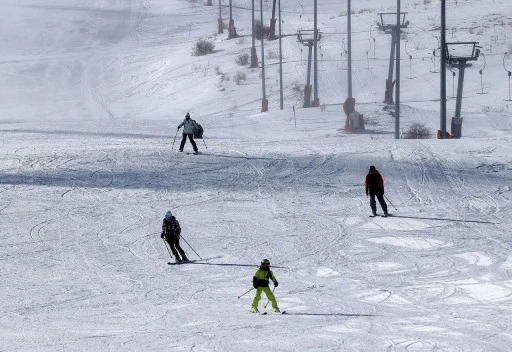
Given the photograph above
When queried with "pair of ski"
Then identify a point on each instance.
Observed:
(193, 261)
(265, 313)
(181, 262)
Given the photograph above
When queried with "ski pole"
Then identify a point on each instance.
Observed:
(175, 138)
(191, 247)
(265, 306)
(243, 294)
(165, 244)
(390, 202)
(204, 142)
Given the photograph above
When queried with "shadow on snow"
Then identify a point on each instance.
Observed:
(332, 314)
(229, 264)
(441, 219)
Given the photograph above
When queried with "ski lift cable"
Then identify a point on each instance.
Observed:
(485, 63)
(407, 51)
(504, 66)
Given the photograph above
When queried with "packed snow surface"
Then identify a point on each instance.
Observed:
(90, 97)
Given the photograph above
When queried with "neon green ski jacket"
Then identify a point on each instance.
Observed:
(261, 277)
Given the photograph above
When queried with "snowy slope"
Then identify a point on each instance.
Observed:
(91, 95)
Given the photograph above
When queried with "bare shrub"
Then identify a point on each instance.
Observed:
(298, 91)
(257, 30)
(239, 77)
(242, 59)
(365, 10)
(297, 88)
(488, 108)
(224, 77)
(271, 54)
(370, 120)
(417, 131)
(203, 47)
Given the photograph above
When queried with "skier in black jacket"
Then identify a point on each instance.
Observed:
(171, 231)
(375, 188)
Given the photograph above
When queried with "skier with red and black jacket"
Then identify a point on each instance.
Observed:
(171, 231)
(375, 188)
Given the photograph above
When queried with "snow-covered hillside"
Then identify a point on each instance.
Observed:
(90, 97)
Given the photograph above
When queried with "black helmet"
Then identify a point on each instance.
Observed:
(265, 265)
(187, 115)
(372, 168)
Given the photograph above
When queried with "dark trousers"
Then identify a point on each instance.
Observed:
(382, 202)
(175, 247)
(191, 138)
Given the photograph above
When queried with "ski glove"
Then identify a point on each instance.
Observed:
(276, 283)
(162, 235)
(254, 282)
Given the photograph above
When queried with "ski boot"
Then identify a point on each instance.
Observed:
(276, 310)
(178, 259)
(254, 310)
(184, 258)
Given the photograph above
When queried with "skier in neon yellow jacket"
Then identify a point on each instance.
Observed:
(260, 282)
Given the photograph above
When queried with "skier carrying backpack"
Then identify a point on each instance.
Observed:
(375, 187)
(171, 231)
(260, 283)
(189, 127)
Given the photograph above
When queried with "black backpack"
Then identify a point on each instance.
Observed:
(176, 229)
(173, 229)
(198, 132)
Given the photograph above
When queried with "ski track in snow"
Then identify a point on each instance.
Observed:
(81, 202)
(347, 272)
